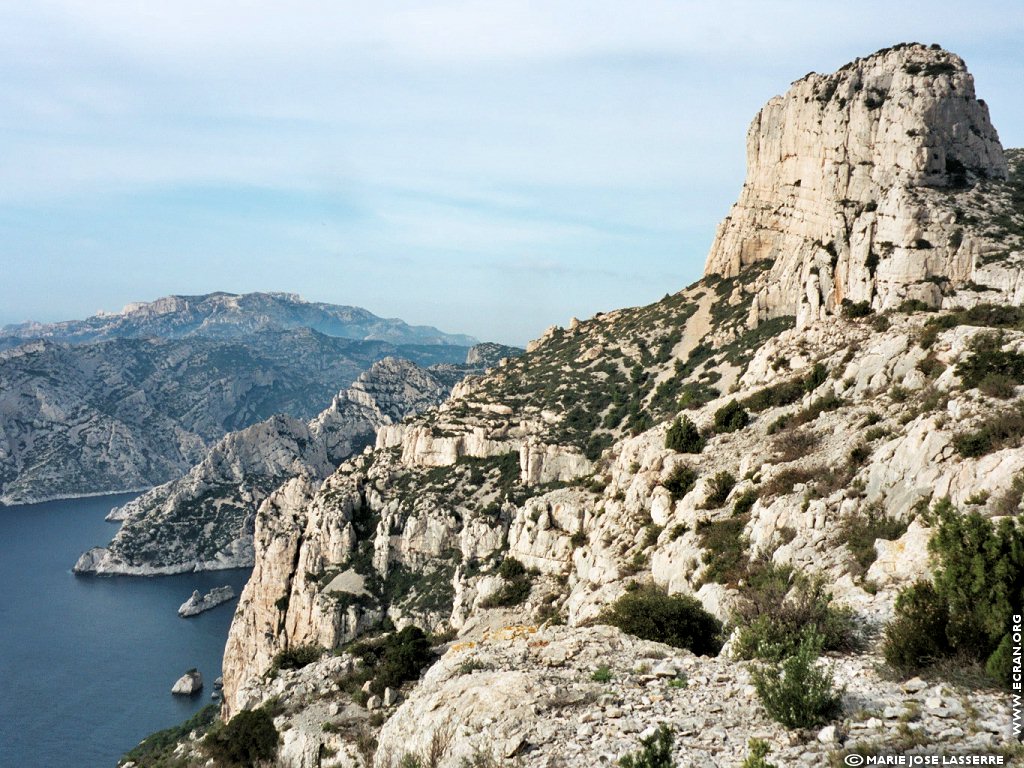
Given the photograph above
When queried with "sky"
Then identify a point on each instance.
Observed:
(488, 167)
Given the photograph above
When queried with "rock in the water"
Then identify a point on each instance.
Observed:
(188, 684)
(199, 603)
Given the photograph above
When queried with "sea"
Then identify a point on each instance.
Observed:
(87, 663)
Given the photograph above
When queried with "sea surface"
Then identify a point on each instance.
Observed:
(87, 663)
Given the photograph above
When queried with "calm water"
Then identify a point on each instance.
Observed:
(87, 664)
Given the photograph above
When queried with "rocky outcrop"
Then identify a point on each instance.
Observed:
(188, 684)
(848, 177)
(198, 603)
(204, 521)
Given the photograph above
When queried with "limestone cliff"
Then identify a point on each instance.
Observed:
(856, 188)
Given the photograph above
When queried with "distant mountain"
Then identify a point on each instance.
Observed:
(230, 316)
(134, 399)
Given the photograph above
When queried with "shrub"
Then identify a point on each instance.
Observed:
(680, 481)
(859, 532)
(719, 488)
(997, 385)
(744, 502)
(602, 674)
(158, 748)
(297, 657)
(988, 359)
(726, 554)
(655, 751)
(916, 637)
(396, 658)
(978, 579)
(731, 417)
(683, 437)
(511, 568)
(245, 741)
(516, 588)
(797, 692)
(997, 431)
(759, 750)
(676, 620)
(856, 309)
(775, 617)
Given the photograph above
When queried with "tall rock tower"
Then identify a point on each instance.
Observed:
(848, 178)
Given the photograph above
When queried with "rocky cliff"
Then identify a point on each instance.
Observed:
(204, 520)
(506, 520)
(858, 187)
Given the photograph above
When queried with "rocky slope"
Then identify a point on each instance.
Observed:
(204, 520)
(131, 413)
(853, 420)
(230, 316)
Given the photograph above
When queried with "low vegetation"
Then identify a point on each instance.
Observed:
(859, 532)
(999, 430)
(965, 610)
(157, 749)
(516, 587)
(680, 481)
(655, 751)
(684, 437)
(677, 620)
(797, 692)
(394, 659)
(297, 657)
(249, 739)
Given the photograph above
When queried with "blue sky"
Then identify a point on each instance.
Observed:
(488, 167)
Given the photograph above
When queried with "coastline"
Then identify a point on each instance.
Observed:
(71, 497)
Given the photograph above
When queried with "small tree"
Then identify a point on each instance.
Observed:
(684, 437)
(245, 741)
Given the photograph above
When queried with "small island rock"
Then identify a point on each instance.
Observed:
(189, 683)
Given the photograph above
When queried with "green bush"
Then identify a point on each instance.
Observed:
(680, 481)
(775, 616)
(676, 620)
(856, 309)
(602, 674)
(297, 657)
(797, 692)
(759, 750)
(988, 358)
(916, 637)
(966, 610)
(859, 532)
(396, 658)
(719, 488)
(655, 751)
(731, 417)
(516, 588)
(684, 437)
(157, 749)
(245, 741)
(997, 431)
(744, 502)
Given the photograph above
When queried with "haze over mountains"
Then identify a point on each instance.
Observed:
(131, 400)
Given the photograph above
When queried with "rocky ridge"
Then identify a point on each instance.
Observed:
(230, 316)
(558, 460)
(198, 603)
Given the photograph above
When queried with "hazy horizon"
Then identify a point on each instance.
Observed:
(488, 169)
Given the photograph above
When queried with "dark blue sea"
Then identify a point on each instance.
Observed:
(87, 664)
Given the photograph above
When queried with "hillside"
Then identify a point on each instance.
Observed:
(778, 442)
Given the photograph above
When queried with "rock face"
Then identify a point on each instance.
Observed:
(204, 521)
(846, 191)
(199, 603)
(188, 684)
